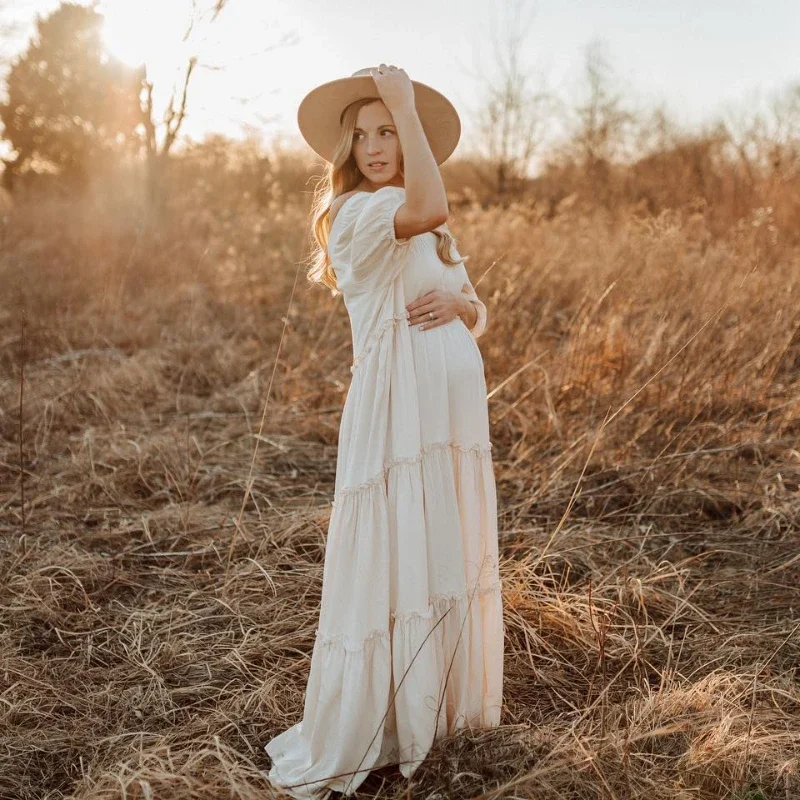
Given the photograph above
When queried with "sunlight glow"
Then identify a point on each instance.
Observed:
(148, 32)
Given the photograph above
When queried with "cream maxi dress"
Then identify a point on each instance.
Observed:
(411, 605)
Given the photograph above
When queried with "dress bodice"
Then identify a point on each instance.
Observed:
(367, 257)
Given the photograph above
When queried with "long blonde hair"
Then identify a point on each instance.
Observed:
(342, 176)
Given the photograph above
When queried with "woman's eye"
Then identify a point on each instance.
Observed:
(356, 136)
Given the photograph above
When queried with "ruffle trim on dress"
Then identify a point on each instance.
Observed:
(446, 598)
(388, 324)
(480, 450)
(438, 605)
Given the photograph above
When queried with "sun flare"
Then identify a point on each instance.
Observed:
(147, 32)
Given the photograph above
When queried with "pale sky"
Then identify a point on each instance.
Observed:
(694, 57)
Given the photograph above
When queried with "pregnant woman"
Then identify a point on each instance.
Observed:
(409, 646)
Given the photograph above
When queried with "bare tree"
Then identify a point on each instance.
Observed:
(159, 137)
(512, 115)
(744, 129)
(601, 120)
(782, 138)
(764, 137)
(173, 116)
(157, 154)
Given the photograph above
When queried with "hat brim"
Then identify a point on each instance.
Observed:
(319, 114)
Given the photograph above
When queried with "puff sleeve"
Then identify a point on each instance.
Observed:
(377, 256)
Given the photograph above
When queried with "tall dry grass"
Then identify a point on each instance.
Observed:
(643, 377)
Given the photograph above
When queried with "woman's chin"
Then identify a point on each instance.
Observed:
(381, 175)
(376, 181)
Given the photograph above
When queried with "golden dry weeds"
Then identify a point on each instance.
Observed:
(643, 377)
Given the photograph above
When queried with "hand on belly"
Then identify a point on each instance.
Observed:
(435, 308)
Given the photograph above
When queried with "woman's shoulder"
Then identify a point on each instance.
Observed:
(339, 202)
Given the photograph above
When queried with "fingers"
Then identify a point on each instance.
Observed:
(422, 312)
(421, 299)
(419, 310)
(428, 305)
(426, 322)
(422, 318)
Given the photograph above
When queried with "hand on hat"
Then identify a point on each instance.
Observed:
(394, 87)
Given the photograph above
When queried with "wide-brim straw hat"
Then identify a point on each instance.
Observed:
(319, 115)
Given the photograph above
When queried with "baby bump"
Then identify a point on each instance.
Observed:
(450, 383)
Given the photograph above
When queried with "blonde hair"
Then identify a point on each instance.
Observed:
(342, 176)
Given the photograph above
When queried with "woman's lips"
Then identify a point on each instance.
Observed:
(377, 166)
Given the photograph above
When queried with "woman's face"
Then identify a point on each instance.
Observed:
(375, 139)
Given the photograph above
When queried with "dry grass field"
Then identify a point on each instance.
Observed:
(169, 404)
